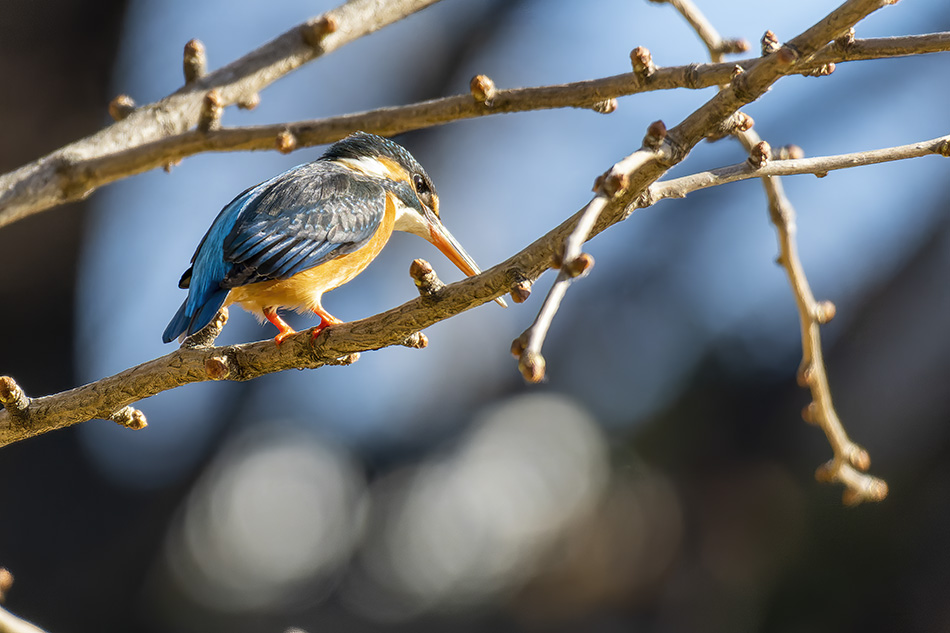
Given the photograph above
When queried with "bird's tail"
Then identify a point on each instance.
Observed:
(186, 322)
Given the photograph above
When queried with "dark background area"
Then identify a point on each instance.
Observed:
(707, 518)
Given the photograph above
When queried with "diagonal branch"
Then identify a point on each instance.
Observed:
(60, 177)
(29, 417)
(752, 83)
(10, 623)
(115, 153)
(628, 179)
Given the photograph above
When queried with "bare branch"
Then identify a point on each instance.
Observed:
(103, 398)
(10, 623)
(114, 153)
(818, 166)
(628, 179)
(791, 58)
(573, 263)
(849, 459)
(64, 175)
(716, 45)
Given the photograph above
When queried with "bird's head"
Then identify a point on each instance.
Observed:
(417, 203)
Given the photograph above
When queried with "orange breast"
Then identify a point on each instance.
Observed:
(304, 290)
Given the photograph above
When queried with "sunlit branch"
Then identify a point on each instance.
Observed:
(115, 153)
(63, 175)
(818, 166)
(628, 179)
(10, 623)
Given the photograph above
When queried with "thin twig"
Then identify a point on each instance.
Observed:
(114, 153)
(716, 45)
(849, 459)
(572, 263)
(528, 346)
(818, 166)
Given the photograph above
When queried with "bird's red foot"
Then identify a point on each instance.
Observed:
(326, 320)
(284, 334)
(315, 332)
(285, 330)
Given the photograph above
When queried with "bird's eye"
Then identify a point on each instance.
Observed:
(422, 187)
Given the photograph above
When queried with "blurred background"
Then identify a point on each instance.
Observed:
(661, 479)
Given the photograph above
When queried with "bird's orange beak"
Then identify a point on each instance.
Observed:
(445, 242)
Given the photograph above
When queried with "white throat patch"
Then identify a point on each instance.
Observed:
(410, 221)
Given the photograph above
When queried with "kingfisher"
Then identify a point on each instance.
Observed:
(285, 242)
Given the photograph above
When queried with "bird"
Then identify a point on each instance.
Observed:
(285, 242)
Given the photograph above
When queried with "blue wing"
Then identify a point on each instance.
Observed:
(295, 221)
(322, 213)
